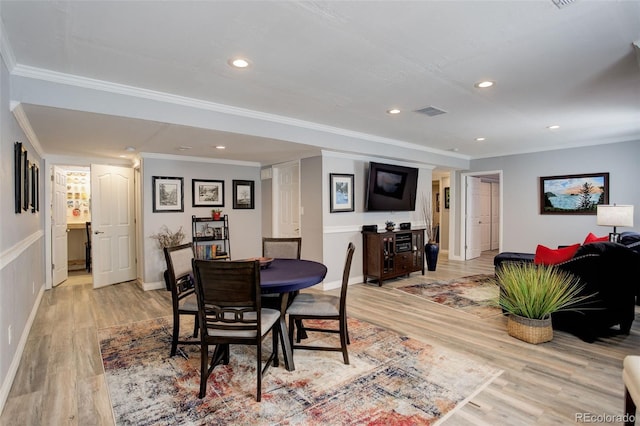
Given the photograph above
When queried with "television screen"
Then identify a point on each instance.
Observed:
(391, 188)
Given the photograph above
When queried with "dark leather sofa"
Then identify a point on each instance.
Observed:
(608, 270)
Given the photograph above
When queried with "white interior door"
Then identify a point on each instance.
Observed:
(286, 216)
(59, 226)
(473, 218)
(112, 225)
(495, 216)
(485, 216)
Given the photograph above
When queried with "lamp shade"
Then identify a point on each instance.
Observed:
(615, 215)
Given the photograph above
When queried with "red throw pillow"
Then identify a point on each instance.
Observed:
(593, 239)
(547, 256)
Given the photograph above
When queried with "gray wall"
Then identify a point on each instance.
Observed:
(525, 227)
(311, 203)
(21, 246)
(245, 225)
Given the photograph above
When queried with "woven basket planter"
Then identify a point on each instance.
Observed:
(530, 330)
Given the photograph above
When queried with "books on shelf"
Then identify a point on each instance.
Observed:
(210, 251)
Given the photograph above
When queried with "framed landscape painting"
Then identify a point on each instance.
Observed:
(167, 194)
(573, 194)
(341, 193)
(207, 193)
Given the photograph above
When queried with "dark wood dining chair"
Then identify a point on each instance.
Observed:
(87, 247)
(282, 248)
(323, 307)
(179, 279)
(230, 312)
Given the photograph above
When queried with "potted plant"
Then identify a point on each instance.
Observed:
(215, 214)
(531, 293)
(167, 238)
(389, 225)
(431, 248)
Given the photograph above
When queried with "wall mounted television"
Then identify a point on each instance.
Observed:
(391, 188)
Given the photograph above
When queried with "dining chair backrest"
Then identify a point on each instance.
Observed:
(282, 248)
(179, 268)
(345, 277)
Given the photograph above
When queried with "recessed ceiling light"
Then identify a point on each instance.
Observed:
(393, 111)
(130, 149)
(220, 147)
(484, 84)
(184, 148)
(481, 139)
(553, 127)
(239, 63)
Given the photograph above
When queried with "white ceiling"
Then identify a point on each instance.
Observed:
(323, 70)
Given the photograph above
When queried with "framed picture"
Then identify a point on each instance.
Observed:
(447, 197)
(17, 176)
(207, 193)
(35, 188)
(25, 181)
(243, 194)
(341, 193)
(573, 194)
(167, 194)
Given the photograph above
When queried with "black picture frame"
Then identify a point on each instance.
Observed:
(35, 188)
(243, 194)
(447, 197)
(25, 180)
(168, 194)
(207, 193)
(577, 194)
(17, 177)
(341, 193)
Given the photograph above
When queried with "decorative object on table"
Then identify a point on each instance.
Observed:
(431, 248)
(420, 384)
(573, 194)
(265, 262)
(531, 293)
(389, 225)
(369, 228)
(168, 194)
(474, 294)
(243, 194)
(215, 214)
(615, 215)
(405, 226)
(207, 193)
(168, 238)
(341, 193)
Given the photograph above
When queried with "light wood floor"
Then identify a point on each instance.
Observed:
(60, 380)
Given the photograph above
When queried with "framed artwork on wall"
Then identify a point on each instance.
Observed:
(17, 176)
(447, 197)
(25, 180)
(207, 193)
(573, 194)
(341, 193)
(243, 194)
(167, 194)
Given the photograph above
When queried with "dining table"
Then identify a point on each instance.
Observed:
(285, 277)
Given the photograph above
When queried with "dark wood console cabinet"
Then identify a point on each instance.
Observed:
(392, 254)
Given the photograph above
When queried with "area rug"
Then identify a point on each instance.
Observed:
(475, 294)
(391, 379)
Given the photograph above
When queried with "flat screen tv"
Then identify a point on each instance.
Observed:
(391, 188)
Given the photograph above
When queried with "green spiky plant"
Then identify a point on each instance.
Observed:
(536, 291)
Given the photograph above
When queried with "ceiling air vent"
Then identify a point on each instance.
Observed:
(563, 3)
(431, 111)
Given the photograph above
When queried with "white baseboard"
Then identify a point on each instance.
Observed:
(15, 362)
(154, 285)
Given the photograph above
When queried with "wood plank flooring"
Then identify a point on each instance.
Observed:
(60, 380)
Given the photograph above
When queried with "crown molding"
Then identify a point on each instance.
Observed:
(174, 157)
(5, 49)
(110, 87)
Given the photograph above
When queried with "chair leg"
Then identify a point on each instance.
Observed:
(204, 370)
(629, 408)
(259, 373)
(275, 334)
(344, 339)
(176, 333)
(195, 326)
(292, 326)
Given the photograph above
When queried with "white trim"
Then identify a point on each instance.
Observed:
(24, 123)
(341, 229)
(15, 362)
(154, 285)
(174, 157)
(332, 285)
(6, 51)
(351, 156)
(110, 87)
(12, 253)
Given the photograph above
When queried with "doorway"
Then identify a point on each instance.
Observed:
(481, 219)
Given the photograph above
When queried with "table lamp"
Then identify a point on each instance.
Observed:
(614, 215)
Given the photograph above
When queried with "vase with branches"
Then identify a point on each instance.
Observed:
(431, 248)
(168, 238)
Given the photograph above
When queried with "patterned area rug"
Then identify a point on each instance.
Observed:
(475, 294)
(391, 380)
